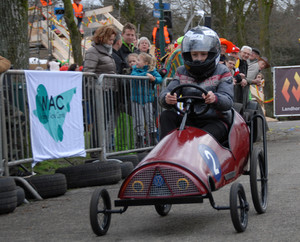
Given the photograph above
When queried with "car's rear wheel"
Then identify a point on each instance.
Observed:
(259, 180)
(99, 217)
(163, 209)
(239, 207)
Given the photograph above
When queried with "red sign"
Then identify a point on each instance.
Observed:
(287, 91)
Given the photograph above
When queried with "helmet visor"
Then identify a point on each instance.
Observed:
(205, 41)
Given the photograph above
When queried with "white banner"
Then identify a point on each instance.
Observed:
(56, 116)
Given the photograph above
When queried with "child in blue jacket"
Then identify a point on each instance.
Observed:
(143, 97)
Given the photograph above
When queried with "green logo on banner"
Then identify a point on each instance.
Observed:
(51, 112)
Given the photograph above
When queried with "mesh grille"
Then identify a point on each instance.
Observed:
(159, 182)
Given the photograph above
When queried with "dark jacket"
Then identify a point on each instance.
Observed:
(220, 83)
(241, 93)
(120, 64)
(125, 50)
(99, 61)
(141, 92)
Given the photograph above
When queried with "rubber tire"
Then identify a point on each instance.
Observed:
(238, 202)
(259, 182)
(8, 195)
(132, 158)
(163, 209)
(47, 186)
(91, 174)
(142, 155)
(20, 195)
(100, 195)
(7, 184)
(126, 168)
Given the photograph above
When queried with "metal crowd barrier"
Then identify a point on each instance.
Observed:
(130, 118)
(114, 122)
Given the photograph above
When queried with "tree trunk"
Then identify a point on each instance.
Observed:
(219, 16)
(75, 35)
(14, 32)
(265, 9)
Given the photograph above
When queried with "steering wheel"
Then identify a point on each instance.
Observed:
(192, 98)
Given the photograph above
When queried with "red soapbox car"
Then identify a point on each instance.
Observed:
(189, 164)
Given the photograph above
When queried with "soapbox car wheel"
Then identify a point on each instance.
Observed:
(199, 99)
(99, 217)
(259, 180)
(239, 207)
(163, 209)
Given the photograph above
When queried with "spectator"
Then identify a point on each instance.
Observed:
(4, 64)
(128, 36)
(241, 88)
(253, 58)
(131, 61)
(78, 12)
(98, 58)
(65, 67)
(46, 2)
(144, 45)
(155, 40)
(226, 47)
(143, 97)
(120, 64)
(255, 69)
(73, 67)
(230, 63)
(135, 41)
(235, 52)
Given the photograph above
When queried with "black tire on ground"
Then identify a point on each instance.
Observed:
(91, 174)
(259, 180)
(132, 158)
(20, 195)
(8, 195)
(47, 186)
(142, 155)
(7, 184)
(126, 168)
(99, 219)
(239, 207)
(163, 209)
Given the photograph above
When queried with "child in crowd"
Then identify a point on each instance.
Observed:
(131, 61)
(260, 77)
(230, 63)
(73, 67)
(143, 97)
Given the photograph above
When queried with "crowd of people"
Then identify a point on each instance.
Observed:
(246, 65)
(114, 52)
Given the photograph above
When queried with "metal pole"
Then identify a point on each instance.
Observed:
(161, 29)
(49, 33)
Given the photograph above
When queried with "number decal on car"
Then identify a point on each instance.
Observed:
(211, 159)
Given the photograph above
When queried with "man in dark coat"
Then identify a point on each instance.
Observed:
(128, 36)
(120, 64)
(241, 88)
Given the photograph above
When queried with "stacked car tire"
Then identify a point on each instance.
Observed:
(14, 193)
(91, 174)
(8, 195)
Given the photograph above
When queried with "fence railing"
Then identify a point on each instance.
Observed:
(131, 112)
(121, 115)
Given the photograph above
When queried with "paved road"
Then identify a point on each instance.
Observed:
(66, 218)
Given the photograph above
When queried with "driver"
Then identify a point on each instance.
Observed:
(201, 53)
